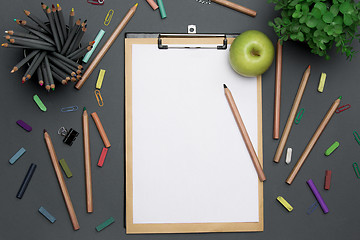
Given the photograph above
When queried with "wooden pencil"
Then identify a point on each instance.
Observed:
(236, 7)
(79, 50)
(43, 6)
(48, 70)
(24, 60)
(87, 160)
(71, 20)
(106, 46)
(76, 41)
(24, 78)
(8, 45)
(37, 21)
(80, 54)
(21, 34)
(39, 34)
(30, 40)
(70, 37)
(25, 23)
(277, 103)
(312, 141)
(60, 65)
(40, 76)
(37, 63)
(244, 134)
(74, 69)
(46, 78)
(58, 25)
(58, 78)
(32, 45)
(53, 28)
(292, 114)
(62, 20)
(61, 181)
(60, 72)
(67, 60)
(101, 130)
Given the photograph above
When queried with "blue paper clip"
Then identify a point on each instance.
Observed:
(299, 116)
(312, 208)
(70, 109)
(357, 137)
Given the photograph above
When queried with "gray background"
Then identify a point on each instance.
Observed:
(19, 219)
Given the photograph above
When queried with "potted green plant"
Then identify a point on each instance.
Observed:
(319, 23)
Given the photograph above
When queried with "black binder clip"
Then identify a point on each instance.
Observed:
(70, 135)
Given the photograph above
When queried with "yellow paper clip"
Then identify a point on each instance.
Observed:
(285, 203)
(100, 78)
(99, 98)
(322, 82)
(108, 17)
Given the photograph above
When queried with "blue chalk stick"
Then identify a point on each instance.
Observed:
(17, 155)
(46, 214)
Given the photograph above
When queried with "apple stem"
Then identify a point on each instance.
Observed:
(255, 53)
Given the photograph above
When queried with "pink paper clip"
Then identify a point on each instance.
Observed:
(96, 2)
(343, 108)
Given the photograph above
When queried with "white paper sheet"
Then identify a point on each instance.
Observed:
(190, 163)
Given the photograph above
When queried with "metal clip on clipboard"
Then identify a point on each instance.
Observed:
(191, 34)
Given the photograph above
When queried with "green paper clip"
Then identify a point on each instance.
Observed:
(356, 169)
(332, 148)
(357, 137)
(299, 116)
(39, 103)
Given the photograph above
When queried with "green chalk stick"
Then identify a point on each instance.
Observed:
(97, 40)
(105, 224)
(332, 148)
(161, 8)
(66, 168)
(39, 103)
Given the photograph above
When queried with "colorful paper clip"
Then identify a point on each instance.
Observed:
(70, 109)
(99, 98)
(299, 116)
(96, 2)
(356, 169)
(312, 208)
(108, 17)
(343, 108)
(357, 137)
(285, 203)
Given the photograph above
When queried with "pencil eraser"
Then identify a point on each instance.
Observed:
(17, 155)
(46, 214)
(24, 125)
(102, 157)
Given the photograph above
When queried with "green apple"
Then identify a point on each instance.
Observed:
(251, 53)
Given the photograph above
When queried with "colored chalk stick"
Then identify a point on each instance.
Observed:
(322, 82)
(100, 78)
(105, 224)
(17, 155)
(26, 181)
(285, 203)
(24, 125)
(332, 148)
(327, 179)
(46, 214)
(66, 168)
(39, 103)
(102, 157)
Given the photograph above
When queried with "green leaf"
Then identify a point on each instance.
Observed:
(347, 20)
(334, 9)
(321, 25)
(346, 8)
(294, 36)
(328, 17)
(337, 20)
(298, 7)
(295, 28)
(303, 19)
(338, 29)
(305, 29)
(278, 7)
(300, 36)
(278, 21)
(316, 13)
(293, 3)
(305, 8)
(321, 6)
(312, 22)
(297, 14)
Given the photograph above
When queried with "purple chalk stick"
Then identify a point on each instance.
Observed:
(317, 195)
(24, 125)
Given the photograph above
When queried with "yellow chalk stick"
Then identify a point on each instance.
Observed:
(100, 78)
(285, 203)
(322, 82)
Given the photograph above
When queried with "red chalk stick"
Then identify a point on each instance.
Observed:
(102, 157)
(327, 179)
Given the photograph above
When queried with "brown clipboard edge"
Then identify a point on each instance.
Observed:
(132, 228)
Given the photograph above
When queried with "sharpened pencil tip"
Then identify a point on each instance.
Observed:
(14, 19)
(309, 66)
(340, 97)
(57, 5)
(84, 109)
(52, 6)
(41, 84)
(136, 4)
(45, 130)
(72, 9)
(225, 86)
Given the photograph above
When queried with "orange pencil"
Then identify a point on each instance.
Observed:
(87, 161)
(61, 181)
(277, 91)
(101, 130)
(244, 134)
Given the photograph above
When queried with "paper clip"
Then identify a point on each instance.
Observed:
(356, 169)
(108, 17)
(312, 208)
(70, 109)
(343, 108)
(99, 98)
(96, 2)
(357, 137)
(299, 116)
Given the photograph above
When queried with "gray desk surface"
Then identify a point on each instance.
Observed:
(19, 218)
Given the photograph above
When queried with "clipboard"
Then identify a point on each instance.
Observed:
(159, 158)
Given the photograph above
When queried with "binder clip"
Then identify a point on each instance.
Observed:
(70, 135)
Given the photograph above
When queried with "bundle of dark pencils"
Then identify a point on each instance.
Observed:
(51, 47)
